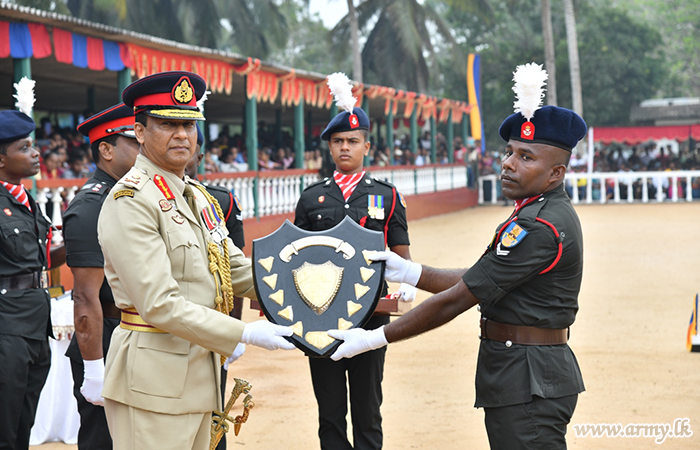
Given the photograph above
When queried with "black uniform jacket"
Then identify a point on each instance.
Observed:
(530, 275)
(82, 246)
(23, 250)
(232, 213)
(322, 206)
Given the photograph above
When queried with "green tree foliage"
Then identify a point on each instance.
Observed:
(621, 60)
(308, 47)
(399, 45)
(251, 27)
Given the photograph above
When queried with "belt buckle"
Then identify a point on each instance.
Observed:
(43, 279)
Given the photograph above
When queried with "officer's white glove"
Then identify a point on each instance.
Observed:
(357, 341)
(237, 353)
(406, 292)
(398, 270)
(267, 335)
(93, 380)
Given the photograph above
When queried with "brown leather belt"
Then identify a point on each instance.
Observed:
(518, 334)
(18, 282)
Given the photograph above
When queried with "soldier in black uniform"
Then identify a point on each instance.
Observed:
(114, 149)
(526, 285)
(25, 308)
(231, 208)
(376, 205)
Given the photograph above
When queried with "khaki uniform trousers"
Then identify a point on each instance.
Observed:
(137, 429)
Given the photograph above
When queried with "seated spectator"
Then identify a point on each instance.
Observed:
(264, 161)
(51, 165)
(76, 165)
(226, 161)
(284, 159)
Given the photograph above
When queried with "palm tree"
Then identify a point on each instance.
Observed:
(396, 46)
(355, 38)
(572, 45)
(252, 28)
(549, 60)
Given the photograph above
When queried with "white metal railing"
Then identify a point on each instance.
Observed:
(618, 187)
(277, 192)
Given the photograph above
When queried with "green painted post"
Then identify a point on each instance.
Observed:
(123, 80)
(299, 134)
(365, 107)
(91, 101)
(414, 132)
(251, 143)
(450, 139)
(465, 128)
(433, 141)
(390, 132)
(334, 111)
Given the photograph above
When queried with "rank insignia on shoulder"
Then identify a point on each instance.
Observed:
(123, 193)
(513, 235)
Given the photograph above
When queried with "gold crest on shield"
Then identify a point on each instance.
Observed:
(318, 284)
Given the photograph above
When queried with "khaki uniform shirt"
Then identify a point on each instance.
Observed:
(156, 261)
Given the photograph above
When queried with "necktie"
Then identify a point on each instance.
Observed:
(347, 183)
(17, 190)
(191, 202)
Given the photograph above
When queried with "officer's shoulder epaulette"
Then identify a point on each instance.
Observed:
(385, 183)
(318, 183)
(134, 179)
(95, 188)
(193, 181)
(532, 211)
(213, 187)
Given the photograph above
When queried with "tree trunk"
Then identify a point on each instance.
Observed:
(549, 60)
(572, 45)
(355, 36)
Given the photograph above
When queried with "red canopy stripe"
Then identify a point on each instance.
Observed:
(638, 135)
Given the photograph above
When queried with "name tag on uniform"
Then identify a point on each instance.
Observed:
(375, 206)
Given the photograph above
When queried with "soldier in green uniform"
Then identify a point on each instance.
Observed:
(526, 285)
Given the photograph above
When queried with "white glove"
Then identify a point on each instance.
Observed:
(267, 335)
(237, 353)
(398, 270)
(93, 380)
(357, 340)
(406, 292)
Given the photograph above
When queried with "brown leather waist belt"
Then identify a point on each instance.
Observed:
(518, 334)
(18, 282)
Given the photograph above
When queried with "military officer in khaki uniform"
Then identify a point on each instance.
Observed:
(159, 230)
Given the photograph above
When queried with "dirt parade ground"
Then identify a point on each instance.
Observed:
(640, 279)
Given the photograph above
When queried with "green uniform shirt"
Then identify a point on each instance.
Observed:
(530, 275)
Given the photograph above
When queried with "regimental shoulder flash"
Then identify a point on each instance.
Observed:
(123, 193)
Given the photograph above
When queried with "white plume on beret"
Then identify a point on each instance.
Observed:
(25, 95)
(530, 81)
(200, 102)
(340, 87)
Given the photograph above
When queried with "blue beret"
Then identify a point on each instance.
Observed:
(550, 125)
(15, 125)
(200, 136)
(167, 95)
(117, 119)
(345, 121)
